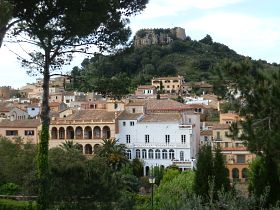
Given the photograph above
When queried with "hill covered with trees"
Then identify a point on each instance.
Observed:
(132, 66)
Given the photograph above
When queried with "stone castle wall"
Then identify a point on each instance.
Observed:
(5, 92)
(152, 38)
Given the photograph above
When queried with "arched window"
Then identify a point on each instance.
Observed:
(106, 133)
(157, 154)
(227, 171)
(128, 154)
(61, 133)
(144, 154)
(54, 133)
(79, 132)
(88, 149)
(151, 154)
(182, 156)
(235, 173)
(245, 173)
(88, 133)
(96, 132)
(70, 132)
(138, 153)
(80, 147)
(171, 154)
(164, 154)
(96, 147)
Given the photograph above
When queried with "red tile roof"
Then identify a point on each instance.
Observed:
(30, 123)
(219, 126)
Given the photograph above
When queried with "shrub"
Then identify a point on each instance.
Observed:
(7, 204)
(9, 189)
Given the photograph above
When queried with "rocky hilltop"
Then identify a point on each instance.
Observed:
(145, 37)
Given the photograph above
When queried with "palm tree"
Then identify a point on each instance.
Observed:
(69, 145)
(113, 152)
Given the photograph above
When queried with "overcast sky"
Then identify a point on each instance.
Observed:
(250, 27)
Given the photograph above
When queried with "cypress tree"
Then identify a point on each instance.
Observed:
(221, 180)
(204, 171)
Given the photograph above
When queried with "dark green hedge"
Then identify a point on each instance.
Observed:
(7, 204)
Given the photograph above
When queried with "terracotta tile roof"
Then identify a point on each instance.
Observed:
(54, 104)
(219, 126)
(231, 115)
(96, 115)
(195, 106)
(234, 149)
(54, 113)
(161, 117)
(165, 105)
(146, 87)
(136, 103)
(206, 133)
(168, 78)
(30, 123)
(129, 116)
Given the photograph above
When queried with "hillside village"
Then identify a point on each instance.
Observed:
(152, 125)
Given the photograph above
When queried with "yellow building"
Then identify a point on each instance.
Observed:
(169, 84)
(236, 155)
(27, 129)
(229, 118)
(85, 127)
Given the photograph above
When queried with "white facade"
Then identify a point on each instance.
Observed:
(160, 140)
(197, 100)
(33, 111)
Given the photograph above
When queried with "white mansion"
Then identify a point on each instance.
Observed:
(160, 133)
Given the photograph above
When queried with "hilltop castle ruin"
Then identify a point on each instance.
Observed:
(146, 37)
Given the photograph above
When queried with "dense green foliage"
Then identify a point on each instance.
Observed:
(204, 171)
(258, 102)
(17, 163)
(211, 176)
(6, 204)
(195, 60)
(56, 30)
(171, 194)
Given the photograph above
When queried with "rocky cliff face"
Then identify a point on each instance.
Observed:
(146, 37)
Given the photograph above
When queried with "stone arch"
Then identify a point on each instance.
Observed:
(164, 154)
(227, 172)
(151, 154)
(70, 132)
(144, 154)
(54, 133)
(171, 154)
(157, 154)
(97, 132)
(235, 173)
(106, 132)
(147, 170)
(245, 173)
(128, 154)
(61, 133)
(80, 147)
(88, 132)
(88, 149)
(79, 132)
(138, 155)
(96, 147)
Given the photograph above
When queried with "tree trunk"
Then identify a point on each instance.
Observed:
(2, 34)
(42, 158)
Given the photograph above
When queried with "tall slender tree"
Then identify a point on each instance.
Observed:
(220, 175)
(204, 171)
(58, 29)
